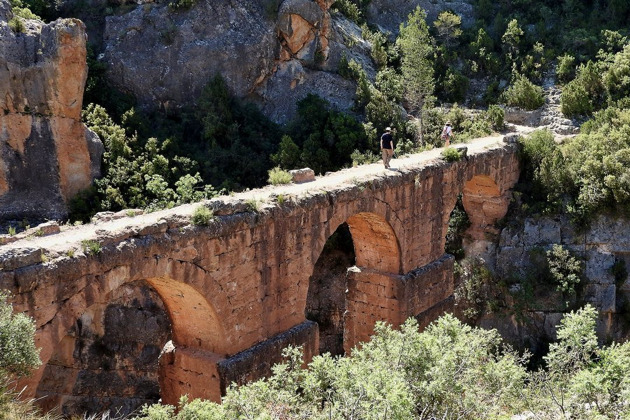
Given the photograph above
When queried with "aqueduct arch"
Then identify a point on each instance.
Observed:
(189, 365)
(331, 302)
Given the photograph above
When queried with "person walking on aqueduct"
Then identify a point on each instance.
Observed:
(447, 134)
(387, 146)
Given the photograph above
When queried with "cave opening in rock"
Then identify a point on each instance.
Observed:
(458, 223)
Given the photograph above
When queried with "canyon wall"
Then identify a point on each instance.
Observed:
(273, 53)
(531, 306)
(46, 154)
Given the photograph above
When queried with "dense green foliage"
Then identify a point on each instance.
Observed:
(524, 94)
(18, 354)
(448, 371)
(587, 174)
(414, 43)
(321, 138)
(136, 174)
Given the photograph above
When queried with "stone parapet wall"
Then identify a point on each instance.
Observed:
(257, 361)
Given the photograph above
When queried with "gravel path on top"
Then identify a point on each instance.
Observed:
(72, 236)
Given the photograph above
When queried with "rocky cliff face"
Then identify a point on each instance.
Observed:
(604, 249)
(164, 57)
(46, 154)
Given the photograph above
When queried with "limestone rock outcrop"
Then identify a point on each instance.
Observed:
(165, 57)
(46, 154)
(603, 248)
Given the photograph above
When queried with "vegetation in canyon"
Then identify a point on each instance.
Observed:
(158, 160)
(448, 371)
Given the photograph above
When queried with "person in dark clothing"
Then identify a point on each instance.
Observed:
(387, 146)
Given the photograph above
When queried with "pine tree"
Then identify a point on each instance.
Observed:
(417, 69)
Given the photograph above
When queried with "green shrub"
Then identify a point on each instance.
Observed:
(564, 268)
(253, 205)
(202, 216)
(524, 94)
(17, 25)
(584, 94)
(348, 9)
(496, 117)
(451, 154)
(288, 155)
(359, 158)
(617, 77)
(278, 176)
(543, 162)
(455, 86)
(91, 247)
(18, 354)
(575, 100)
(565, 69)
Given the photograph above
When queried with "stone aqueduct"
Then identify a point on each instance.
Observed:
(236, 290)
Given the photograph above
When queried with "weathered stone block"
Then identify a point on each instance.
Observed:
(256, 362)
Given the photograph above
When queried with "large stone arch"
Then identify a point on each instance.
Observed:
(356, 296)
(188, 365)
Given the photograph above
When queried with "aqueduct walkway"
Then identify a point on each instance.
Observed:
(236, 291)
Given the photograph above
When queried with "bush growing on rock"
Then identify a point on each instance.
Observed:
(451, 154)
(496, 117)
(18, 354)
(202, 216)
(524, 94)
(278, 176)
(565, 69)
(565, 269)
(584, 94)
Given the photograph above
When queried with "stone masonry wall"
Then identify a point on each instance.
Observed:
(243, 279)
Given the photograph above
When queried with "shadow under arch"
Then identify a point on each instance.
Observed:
(365, 241)
(187, 364)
